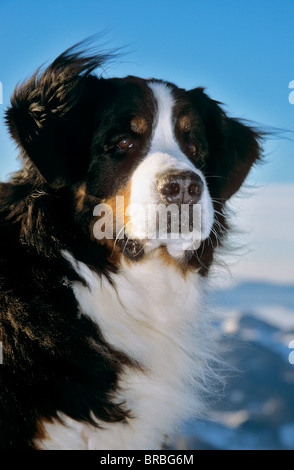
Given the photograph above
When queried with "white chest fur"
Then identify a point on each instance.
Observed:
(153, 314)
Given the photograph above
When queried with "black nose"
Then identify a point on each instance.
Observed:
(180, 188)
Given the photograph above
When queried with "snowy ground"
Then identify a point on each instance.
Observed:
(255, 410)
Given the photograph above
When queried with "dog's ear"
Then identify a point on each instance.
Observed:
(51, 117)
(233, 146)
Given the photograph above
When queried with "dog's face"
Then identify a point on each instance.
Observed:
(143, 148)
(149, 146)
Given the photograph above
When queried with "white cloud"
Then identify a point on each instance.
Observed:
(265, 219)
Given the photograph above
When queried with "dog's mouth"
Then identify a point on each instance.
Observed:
(135, 249)
(176, 242)
(131, 248)
(177, 228)
(142, 229)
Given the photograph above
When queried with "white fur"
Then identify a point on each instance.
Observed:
(164, 155)
(154, 315)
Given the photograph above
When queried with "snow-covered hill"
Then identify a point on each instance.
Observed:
(255, 410)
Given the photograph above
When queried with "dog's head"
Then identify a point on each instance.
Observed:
(132, 150)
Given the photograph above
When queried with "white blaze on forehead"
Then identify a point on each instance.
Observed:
(163, 136)
(163, 139)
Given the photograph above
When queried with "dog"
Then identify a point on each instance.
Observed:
(106, 340)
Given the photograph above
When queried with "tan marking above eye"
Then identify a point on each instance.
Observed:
(81, 195)
(139, 125)
(185, 123)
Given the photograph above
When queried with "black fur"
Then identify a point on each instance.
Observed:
(54, 358)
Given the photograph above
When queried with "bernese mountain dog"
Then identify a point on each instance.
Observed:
(106, 342)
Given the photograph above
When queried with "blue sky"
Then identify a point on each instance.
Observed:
(241, 51)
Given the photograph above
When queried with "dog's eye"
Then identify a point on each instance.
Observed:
(125, 144)
(192, 148)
